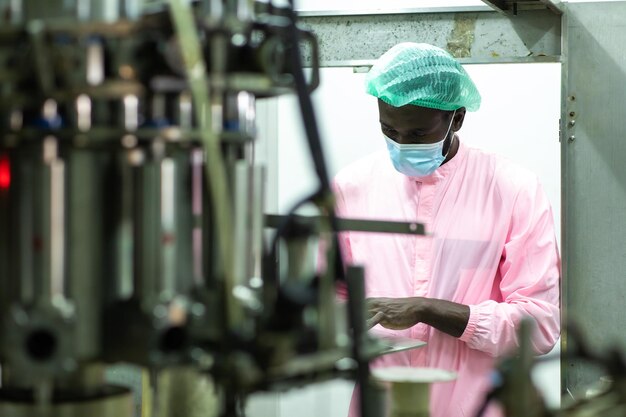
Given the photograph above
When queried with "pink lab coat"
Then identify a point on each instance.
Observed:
(490, 245)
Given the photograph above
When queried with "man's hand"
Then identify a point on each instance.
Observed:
(394, 313)
(403, 313)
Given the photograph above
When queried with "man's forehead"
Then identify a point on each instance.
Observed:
(410, 113)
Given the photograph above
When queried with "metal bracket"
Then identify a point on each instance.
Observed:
(512, 7)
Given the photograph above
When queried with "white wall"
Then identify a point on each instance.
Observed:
(519, 119)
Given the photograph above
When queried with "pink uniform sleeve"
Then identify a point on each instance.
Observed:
(529, 282)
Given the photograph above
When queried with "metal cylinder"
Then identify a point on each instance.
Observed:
(109, 401)
(409, 388)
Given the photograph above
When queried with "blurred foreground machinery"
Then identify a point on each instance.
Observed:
(131, 214)
(514, 390)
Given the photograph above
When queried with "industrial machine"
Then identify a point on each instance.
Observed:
(131, 212)
(514, 390)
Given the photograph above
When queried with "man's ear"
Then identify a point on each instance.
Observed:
(459, 118)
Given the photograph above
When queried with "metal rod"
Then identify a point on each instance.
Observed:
(197, 187)
(131, 113)
(28, 233)
(124, 234)
(52, 278)
(45, 73)
(95, 63)
(368, 400)
(83, 112)
(327, 294)
(57, 229)
(374, 226)
(241, 242)
(258, 199)
(185, 111)
(168, 228)
(246, 109)
(148, 244)
(205, 112)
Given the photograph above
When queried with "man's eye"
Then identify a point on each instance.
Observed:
(388, 130)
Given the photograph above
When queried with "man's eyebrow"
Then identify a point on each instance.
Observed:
(423, 129)
(417, 129)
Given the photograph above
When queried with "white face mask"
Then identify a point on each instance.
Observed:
(418, 160)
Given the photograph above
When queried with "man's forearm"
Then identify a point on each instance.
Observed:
(445, 316)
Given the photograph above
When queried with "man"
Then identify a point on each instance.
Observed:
(489, 258)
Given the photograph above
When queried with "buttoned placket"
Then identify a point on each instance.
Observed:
(421, 275)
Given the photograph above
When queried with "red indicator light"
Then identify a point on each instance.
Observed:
(5, 172)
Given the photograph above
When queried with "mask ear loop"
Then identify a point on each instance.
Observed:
(448, 133)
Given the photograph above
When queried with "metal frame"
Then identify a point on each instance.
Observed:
(378, 12)
(593, 182)
(514, 6)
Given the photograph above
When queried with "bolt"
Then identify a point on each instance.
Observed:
(572, 138)
(572, 123)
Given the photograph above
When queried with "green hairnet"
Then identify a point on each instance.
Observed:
(422, 75)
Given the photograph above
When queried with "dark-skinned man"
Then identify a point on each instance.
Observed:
(490, 257)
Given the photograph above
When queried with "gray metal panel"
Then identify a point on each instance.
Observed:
(594, 178)
(473, 36)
